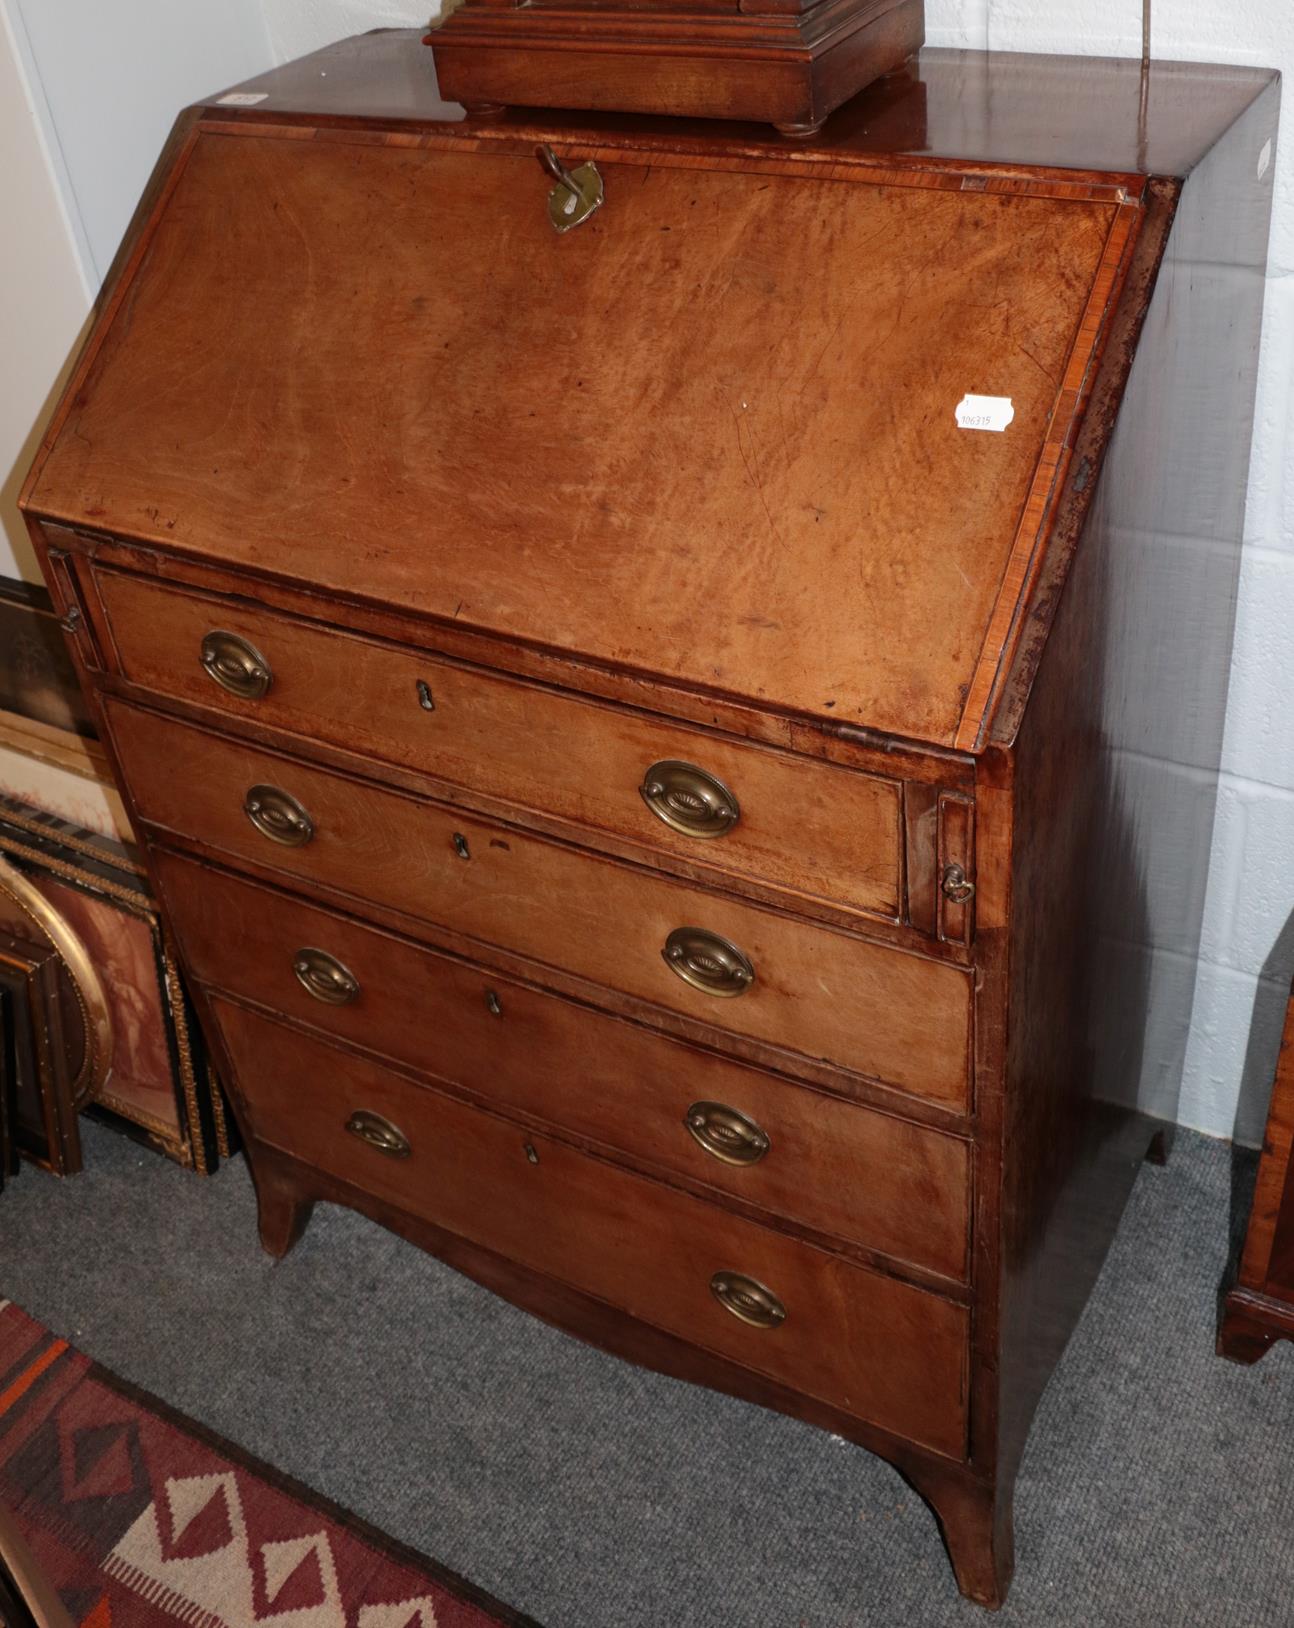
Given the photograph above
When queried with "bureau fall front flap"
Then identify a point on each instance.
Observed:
(780, 436)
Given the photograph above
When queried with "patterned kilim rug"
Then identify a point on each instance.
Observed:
(140, 1518)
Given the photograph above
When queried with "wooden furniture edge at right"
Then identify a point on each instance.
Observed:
(1258, 1308)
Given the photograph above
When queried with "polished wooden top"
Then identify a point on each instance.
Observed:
(1000, 107)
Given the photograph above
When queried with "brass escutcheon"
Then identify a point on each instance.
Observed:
(708, 962)
(236, 665)
(688, 799)
(578, 193)
(747, 1299)
(726, 1133)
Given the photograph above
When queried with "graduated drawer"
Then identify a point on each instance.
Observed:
(876, 1348)
(834, 1166)
(811, 827)
(825, 994)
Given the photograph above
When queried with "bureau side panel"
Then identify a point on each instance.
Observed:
(1116, 767)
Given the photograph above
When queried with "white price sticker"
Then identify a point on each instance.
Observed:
(243, 98)
(991, 413)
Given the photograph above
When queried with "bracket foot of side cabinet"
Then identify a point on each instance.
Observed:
(1251, 1324)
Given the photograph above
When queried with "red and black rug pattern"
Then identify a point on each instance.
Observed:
(140, 1518)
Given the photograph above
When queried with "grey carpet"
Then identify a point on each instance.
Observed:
(1156, 1491)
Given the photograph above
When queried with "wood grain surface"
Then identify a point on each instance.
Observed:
(868, 1178)
(1022, 112)
(693, 407)
(807, 827)
(791, 62)
(829, 995)
(871, 1346)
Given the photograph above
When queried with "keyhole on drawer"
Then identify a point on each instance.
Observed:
(426, 700)
(492, 1004)
(460, 846)
(531, 1154)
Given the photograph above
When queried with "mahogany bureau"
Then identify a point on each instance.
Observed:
(646, 733)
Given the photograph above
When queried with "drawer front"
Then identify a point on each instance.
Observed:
(825, 994)
(876, 1348)
(823, 831)
(865, 1177)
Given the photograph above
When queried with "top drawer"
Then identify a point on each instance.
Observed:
(807, 827)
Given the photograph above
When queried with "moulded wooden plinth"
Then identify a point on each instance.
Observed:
(772, 60)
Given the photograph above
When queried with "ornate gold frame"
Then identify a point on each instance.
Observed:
(204, 1136)
(96, 1066)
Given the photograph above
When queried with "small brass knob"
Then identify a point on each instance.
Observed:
(748, 1300)
(323, 976)
(379, 1134)
(70, 621)
(277, 815)
(236, 665)
(726, 1133)
(688, 799)
(957, 886)
(708, 962)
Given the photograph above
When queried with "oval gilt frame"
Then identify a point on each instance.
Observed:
(86, 984)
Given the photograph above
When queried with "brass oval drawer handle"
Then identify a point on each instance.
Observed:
(747, 1299)
(726, 1133)
(236, 665)
(323, 976)
(277, 815)
(708, 962)
(379, 1134)
(688, 799)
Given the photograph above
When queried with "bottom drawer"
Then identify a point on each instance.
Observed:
(869, 1345)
